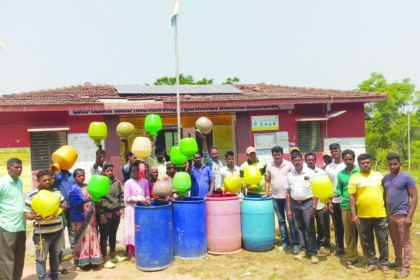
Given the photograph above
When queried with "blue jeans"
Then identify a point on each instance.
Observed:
(305, 226)
(280, 207)
(51, 246)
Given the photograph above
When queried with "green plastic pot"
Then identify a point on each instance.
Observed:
(98, 187)
(182, 182)
(188, 146)
(98, 132)
(177, 157)
(152, 124)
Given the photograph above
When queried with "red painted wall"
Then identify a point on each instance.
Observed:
(242, 135)
(113, 145)
(14, 126)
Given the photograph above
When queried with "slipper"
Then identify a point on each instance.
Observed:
(118, 259)
(109, 264)
(401, 274)
(64, 271)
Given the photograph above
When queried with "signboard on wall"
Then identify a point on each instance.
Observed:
(268, 122)
(86, 151)
(23, 154)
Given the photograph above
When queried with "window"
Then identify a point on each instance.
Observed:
(43, 144)
(309, 136)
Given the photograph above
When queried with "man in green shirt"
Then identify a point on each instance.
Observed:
(12, 222)
(350, 231)
(253, 160)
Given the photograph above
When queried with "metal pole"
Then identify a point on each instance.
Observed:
(409, 144)
(178, 106)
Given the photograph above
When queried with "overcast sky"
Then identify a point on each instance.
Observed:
(324, 44)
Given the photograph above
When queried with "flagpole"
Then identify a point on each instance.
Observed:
(178, 105)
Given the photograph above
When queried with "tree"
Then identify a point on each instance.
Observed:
(387, 130)
(231, 81)
(183, 80)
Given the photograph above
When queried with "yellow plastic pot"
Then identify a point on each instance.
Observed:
(46, 204)
(322, 188)
(252, 175)
(232, 183)
(125, 130)
(63, 158)
(97, 132)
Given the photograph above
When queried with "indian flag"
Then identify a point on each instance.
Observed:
(175, 12)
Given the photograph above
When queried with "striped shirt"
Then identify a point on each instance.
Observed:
(300, 184)
(368, 192)
(47, 226)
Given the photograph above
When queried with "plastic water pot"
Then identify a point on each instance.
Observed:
(252, 175)
(322, 188)
(45, 203)
(223, 224)
(152, 124)
(177, 157)
(257, 215)
(233, 183)
(204, 125)
(97, 132)
(182, 182)
(64, 158)
(154, 236)
(125, 130)
(141, 147)
(190, 228)
(188, 147)
(162, 189)
(98, 187)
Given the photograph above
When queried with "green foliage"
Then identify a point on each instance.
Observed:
(387, 130)
(231, 81)
(183, 80)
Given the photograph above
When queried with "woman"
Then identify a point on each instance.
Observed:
(86, 248)
(154, 174)
(136, 190)
(170, 172)
(110, 209)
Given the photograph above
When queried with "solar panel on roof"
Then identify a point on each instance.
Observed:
(171, 90)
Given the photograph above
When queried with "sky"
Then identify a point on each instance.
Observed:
(309, 43)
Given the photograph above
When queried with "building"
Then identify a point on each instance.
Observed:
(35, 124)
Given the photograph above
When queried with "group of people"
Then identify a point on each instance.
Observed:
(364, 206)
(364, 202)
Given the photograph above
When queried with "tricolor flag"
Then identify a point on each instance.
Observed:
(175, 12)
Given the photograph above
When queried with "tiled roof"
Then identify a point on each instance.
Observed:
(89, 94)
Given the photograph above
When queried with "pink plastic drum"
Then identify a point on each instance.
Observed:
(223, 224)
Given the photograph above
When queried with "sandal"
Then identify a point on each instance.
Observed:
(64, 271)
(401, 274)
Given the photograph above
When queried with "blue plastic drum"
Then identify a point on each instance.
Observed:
(154, 236)
(257, 215)
(190, 228)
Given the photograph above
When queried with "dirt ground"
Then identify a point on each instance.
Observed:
(274, 264)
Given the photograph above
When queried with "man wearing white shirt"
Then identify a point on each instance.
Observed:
(302, 206)
(276, 179)
(228, 170)
(322, 216)
(332, 171)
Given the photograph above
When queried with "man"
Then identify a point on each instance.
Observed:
(160, 161)
(63, 181)
(302, 204)
(365, 190)
(400, 187)
(228, 170)
(253, 160)
(276, 179)
(350, 230)
(322, 216)
(213, 161)
(327, 159)
(49, 230)
(332, 170)
(202, 180)
(96, 169)
(12, 222)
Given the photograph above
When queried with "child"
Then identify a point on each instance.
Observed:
(136, 190)
(47, 233)
(86, 244)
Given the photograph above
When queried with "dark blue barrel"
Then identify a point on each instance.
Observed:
(154, 236)
(190, 228)
(257, 215)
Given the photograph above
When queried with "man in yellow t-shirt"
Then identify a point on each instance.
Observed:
(365, 190)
